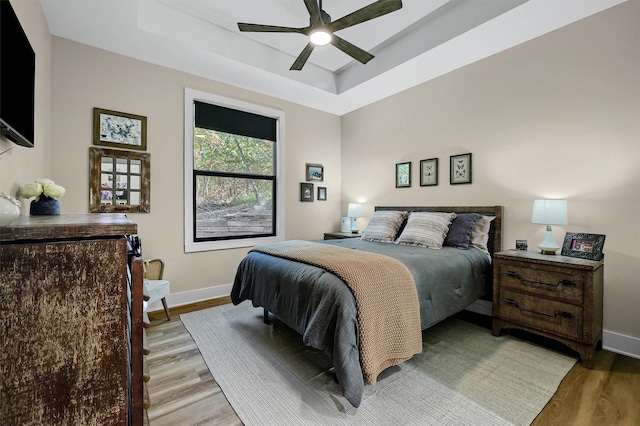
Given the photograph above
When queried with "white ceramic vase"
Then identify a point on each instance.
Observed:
(9, 209)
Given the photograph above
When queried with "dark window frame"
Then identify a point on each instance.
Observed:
(193, 244)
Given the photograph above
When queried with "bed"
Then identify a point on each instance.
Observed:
(309, 293)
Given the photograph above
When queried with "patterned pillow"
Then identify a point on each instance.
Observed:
(480, 233)
(426, 229)
(460, 230)
(383, 226)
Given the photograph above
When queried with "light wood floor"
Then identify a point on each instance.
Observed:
(183, 392)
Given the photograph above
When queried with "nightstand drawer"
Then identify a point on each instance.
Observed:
(543, 314)
(549, 282)
(559, 297)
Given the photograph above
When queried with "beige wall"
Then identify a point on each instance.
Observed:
(73, 78)
(85, 77)
(556, 117)
(21, 164)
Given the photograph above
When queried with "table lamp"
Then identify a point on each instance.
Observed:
(354, 211)
(549, 212)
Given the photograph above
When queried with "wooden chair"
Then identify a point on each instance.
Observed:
(155, 287)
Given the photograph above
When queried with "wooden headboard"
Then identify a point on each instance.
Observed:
(495, 233)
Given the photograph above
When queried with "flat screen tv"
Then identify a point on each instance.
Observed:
(17, 79)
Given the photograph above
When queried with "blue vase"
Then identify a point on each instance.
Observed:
(45, 206)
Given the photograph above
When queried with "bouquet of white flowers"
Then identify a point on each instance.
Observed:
(40, 187)
(46, 193)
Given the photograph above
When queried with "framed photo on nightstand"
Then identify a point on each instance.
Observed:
(584, 246)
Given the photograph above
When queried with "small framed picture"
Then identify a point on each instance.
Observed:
(584, 246)
(522, 245)
(429, 172)
(403, 175)
(460, 169)
(315, 172)
(322, 193)
(306, 191)
(119, 129)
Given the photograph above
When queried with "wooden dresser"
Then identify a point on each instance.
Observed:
(70, 322)
(555, 296)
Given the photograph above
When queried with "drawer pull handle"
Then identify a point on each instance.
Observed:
(562, 314)
(515, 275)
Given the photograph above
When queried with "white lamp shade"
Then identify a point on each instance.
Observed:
(354, 210)
(549, 212)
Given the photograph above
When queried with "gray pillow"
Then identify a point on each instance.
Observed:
(384, 225)
(459, 234)
(426, 229)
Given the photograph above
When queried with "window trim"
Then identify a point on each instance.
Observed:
(190, 245)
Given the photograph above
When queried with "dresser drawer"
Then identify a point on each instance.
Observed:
(548, 282)
(543, 314)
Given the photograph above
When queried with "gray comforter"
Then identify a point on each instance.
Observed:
(320, 307)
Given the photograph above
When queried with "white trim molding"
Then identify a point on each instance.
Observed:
(191, 95)
(193, 296)
(621, 344)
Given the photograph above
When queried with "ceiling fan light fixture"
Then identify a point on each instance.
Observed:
(320, 37)
(321, 28)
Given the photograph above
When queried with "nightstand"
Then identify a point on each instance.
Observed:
(340, 235)
(558, 297)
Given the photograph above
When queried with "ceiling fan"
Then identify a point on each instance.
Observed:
(322, 31)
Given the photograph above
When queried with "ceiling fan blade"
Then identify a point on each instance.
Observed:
(302, 57)
(259, 28)
(314, 10)
(374, 10)
(354, 51)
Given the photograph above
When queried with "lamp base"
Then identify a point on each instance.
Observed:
(548, 251)
(354, 226)
(548, 245)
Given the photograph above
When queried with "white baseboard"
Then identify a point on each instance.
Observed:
(614, 342)
(621, 344)
(193, 296)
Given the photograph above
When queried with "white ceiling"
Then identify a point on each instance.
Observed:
(421, 41)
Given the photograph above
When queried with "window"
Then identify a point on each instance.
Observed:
(233, 181)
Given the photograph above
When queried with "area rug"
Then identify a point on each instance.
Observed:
(464, 375)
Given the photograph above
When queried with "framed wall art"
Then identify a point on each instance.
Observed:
(314, 172)
(119, 181)
(306, 191)
(322, 193)
(584, 246)
(403, 175)
(460, 169)
(119, 129)
(429, 172)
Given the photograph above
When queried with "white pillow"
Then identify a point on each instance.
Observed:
(426, 229)
(480, 233)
